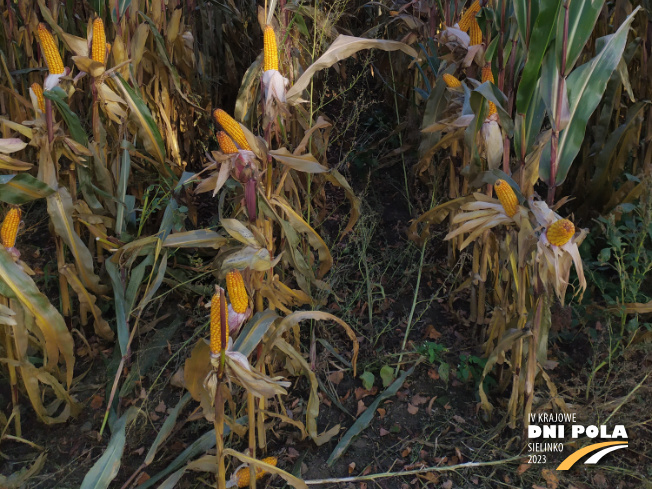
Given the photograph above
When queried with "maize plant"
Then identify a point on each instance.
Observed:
(498, 121)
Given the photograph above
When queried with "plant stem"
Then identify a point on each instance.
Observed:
(554, 142)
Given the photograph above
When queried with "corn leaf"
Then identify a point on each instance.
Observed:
(581, 21)
(106, 468)
(586, 85)
(144, 119)
(16, 284)
(541, 36)
(304, 163)
(120, 305)
(343, 47)
(60, 210)
(252, 333)
(289, 478)
(21, 188)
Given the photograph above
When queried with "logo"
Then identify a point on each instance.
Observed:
(546, 433)
(602, 449)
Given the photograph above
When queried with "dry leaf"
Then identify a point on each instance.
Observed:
(336, 377)
(361, 408)
(351, 467)
(433, 374)
(383, 432)
(412, 409)
(381, 412)
(97, 401)
(448, 406)
(522, 468)
(459, 419)
(552, 481)
(417, 400)
(448, 484)
(161, 408)
(432, 333)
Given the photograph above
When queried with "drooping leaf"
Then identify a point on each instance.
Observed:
(342, 48)
(22, 188)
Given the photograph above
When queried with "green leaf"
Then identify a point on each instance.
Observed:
(542, 34)
(586, 85)
(367, 379)
(252, 333)
(120, 305)
(444, 372)
(582, 16)
(144, 120)
(492, 93)
(387, 375)
(22, 188)
(106, 468)
(58, 96)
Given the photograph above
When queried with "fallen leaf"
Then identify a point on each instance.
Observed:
(153, 416)
(361, 392)
(361, 408)
(97, 401)
(336, 377)
(406, 452)
(448, 406)
(161, 408)
(432, 333)
(412, 409)
(139, 451)
(351, 467)
(417, 400)
(429, 408)
(459, 455)
(383, 432)
(144, 476)
(367, 470)
(381, 412)
(600, 480)
(432, 373)
(363, 485)
(552, 481)
(522, 468)
(459, 419)
(448, 484)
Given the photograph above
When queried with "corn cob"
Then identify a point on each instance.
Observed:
(451, 81)
(241, 477)
(471, 12)
(475, 33)
(216, 326)
(487, 75)
(38, 91)
(226, 143)
(9, 228)
(237, 291)
(560, 232)
(232, 128)
(50, 51)
(98, 46)
(270, 57)
(507, 197)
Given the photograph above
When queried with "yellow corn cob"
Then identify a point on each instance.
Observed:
(270, 56)
(560, 232)
(507, 197)
(38, 91)
(451, 81)
(226, 143)
(237, 291)
(487, 75)
(50, 51)
(216, 326)
(98, 46)
(471, 12)
(475, 33)
(232, 128)
(9, 228)
(241, 477)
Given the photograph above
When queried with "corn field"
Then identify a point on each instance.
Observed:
(332, 244)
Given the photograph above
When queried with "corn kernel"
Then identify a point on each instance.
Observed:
(38, 91)
(216, 326)
(560, 232)
(226, 143)
(98, 45)
(9, 229)
(232, 128)
(270, 53)
(465, 22)
(241, 477)
(237, 291)
(451, 81)
(50, 51)
(507, 197)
